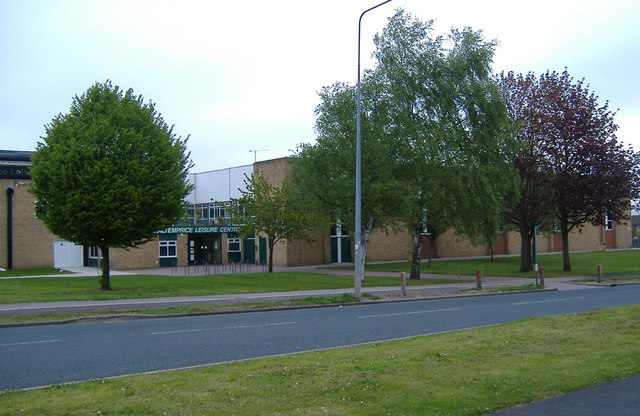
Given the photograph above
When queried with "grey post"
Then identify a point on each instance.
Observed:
(359, 266)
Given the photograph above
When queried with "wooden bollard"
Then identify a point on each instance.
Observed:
(403, 285)
(599, 273)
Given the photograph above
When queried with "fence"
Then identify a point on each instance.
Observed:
(206, 269)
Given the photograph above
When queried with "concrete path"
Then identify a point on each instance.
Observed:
(618, 398)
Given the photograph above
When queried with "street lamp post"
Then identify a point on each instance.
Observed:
(359, 265)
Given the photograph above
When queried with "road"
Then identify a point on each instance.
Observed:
(43, 355)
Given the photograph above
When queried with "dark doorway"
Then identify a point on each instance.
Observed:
(204, 249)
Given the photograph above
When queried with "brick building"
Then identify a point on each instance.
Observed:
(204, 234)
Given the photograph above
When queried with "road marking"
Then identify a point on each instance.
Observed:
(30, 343)
(547, 301)
(222, 328)
(407, 313)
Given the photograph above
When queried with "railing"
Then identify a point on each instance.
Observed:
(206, 269)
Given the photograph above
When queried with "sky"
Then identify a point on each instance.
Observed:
(243, 76)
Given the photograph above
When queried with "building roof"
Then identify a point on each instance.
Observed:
(15, 156)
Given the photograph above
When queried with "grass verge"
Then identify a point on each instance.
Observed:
(470, 372)
(334, 300)
(33, 272)
(46, 289)
(582, 264)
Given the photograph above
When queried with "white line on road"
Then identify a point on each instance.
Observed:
(547, 301)
(222, 328)
(407, 313)
(30, 342)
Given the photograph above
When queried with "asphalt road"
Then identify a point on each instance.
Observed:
(43, 355)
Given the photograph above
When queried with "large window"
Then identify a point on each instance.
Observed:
(202, 212)
(234, 245)
(209, 212)
(167, 249)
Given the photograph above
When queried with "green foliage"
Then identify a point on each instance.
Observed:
(110, 172)
(278, 212)
(450, 126)
(325, 171)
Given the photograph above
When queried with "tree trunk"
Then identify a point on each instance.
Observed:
(271, 243)
(564, 230)
(364, 243)
(432, 240)
(417, 249)
(491, 251)
(105, 279)
(525, 250)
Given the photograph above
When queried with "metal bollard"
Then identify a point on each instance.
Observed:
(478, 280)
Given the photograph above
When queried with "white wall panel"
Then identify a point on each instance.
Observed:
(218, 185)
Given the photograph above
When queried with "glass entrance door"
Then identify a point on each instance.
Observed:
(204, 249)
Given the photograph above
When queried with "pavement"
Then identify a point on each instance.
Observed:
(619, 398)
(465, 282)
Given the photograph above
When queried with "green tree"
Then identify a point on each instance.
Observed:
(450, 123)
(325, 171)
(110, 172)
(278, 212)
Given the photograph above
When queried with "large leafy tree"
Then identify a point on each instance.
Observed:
(593, 174)
(325, 171)
(530, 207)
(446, 113)
(110, 172)
(585, 174)
(276, 211)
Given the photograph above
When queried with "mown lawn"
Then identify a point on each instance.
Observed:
(44, 289)
(33, 272)
(582, 264)
(469, 372)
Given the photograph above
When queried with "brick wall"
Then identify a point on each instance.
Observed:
(32, 242)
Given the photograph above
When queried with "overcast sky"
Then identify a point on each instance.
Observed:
(243, 75)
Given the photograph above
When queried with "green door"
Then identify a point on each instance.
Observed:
(262, 250)
(343, 245)
(250, 250)
(346, 250)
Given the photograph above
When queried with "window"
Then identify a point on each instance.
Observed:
(214, 211)
(94, 252)
(220, 210)
(167, 249)
(190, 211)
(234, 245)
(608, 224)
(202, 212)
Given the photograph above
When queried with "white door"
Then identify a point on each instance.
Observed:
(66, 254)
